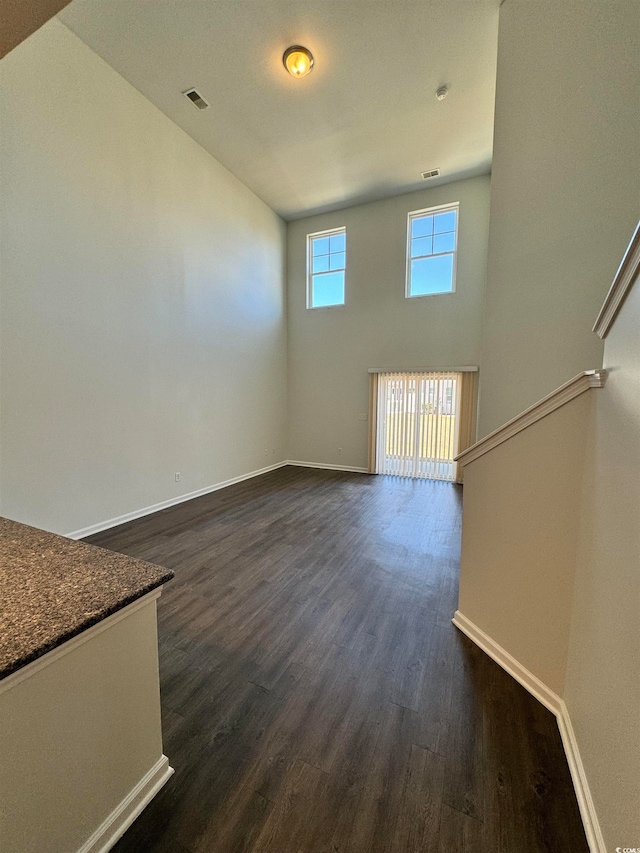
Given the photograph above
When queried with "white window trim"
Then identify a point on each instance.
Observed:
(342, 229)
(429, 211)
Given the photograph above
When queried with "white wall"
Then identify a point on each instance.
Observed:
(142, 299)
(602, 686)
(330, 350)
(519, 538)
(565, 191)
(550, 567)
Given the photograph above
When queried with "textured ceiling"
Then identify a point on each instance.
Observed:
(361, 126)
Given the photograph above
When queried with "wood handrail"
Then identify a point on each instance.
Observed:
(571, 389)
(626, 275)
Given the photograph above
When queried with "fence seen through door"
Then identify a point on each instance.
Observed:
(418, 424)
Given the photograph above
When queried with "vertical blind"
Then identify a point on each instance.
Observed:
(417, 421)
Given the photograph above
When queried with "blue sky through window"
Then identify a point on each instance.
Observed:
(328, 289)
(432, 249)
(431, 275)
(327, 269)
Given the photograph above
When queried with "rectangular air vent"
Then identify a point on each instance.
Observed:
(196, 98)
(432, 173)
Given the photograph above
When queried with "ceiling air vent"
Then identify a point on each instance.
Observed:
(196, 98)
(432, 173)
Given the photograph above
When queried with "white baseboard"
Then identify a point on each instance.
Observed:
(326, 467)
(121, 818)
(149, 510)
(501, 656)
(557, 707)
(579, 777)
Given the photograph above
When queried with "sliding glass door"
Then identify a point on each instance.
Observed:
(417, 424)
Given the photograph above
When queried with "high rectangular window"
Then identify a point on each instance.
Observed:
(326, 265)
(432, 241)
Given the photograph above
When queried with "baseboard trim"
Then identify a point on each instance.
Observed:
(587, 807)
(326, 467)
(501, 656)
(149, 510)
(121, 818)
(557, 707)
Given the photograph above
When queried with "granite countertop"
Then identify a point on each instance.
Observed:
(53, 588)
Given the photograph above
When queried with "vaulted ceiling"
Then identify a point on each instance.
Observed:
(361, 126)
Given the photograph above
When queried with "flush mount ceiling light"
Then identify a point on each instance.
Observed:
(297, 60)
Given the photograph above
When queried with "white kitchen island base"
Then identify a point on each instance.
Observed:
(80, 737)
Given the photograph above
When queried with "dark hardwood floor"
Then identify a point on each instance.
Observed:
(316, 697)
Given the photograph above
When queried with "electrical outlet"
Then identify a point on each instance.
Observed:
(339, 451)
(177, 476)
(362, 417)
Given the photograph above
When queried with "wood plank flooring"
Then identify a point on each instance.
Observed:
(316, 697)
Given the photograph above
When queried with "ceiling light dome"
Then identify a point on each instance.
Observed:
(297, 60)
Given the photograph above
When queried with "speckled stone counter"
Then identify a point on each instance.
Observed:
(52, 588)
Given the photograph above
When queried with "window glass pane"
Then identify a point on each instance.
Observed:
(337, 261)
(432, 275)
(445, 222)
(320, 263)
(320, 245)
(421, 246)
(421, 226)
(444, 242)
(337, 242)
(328, 289)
